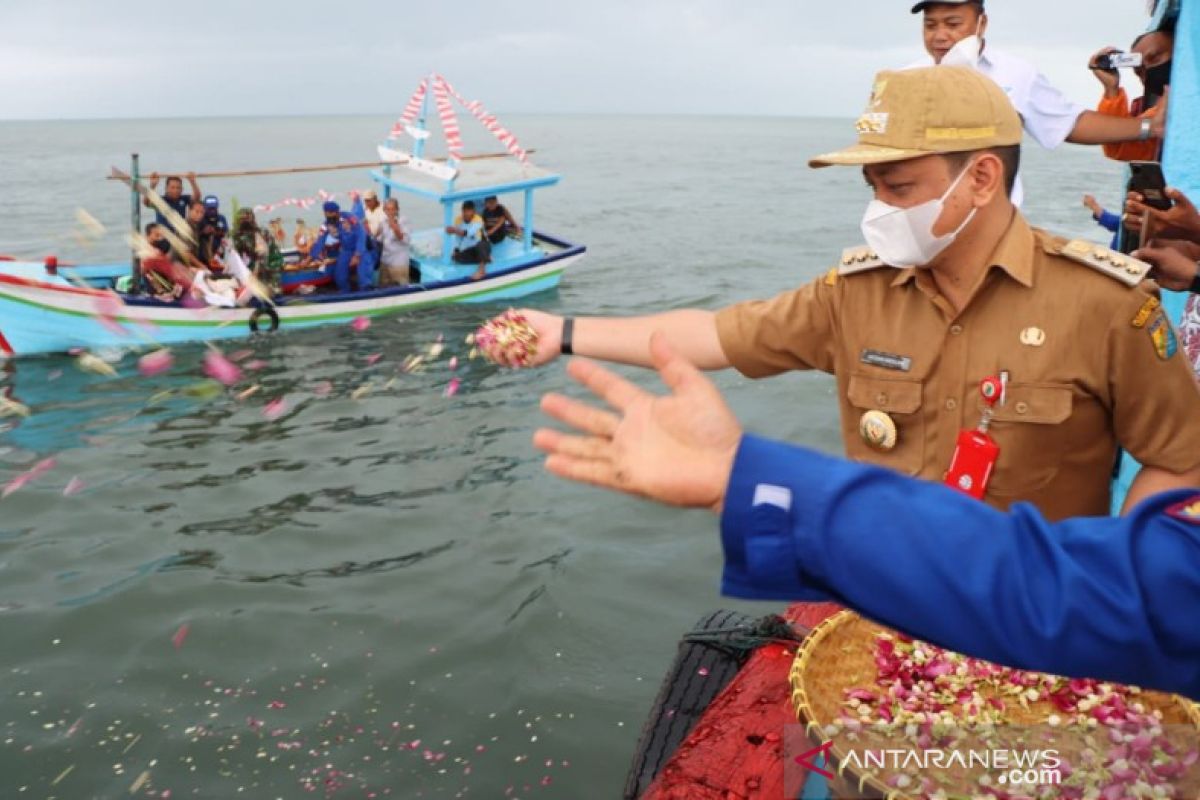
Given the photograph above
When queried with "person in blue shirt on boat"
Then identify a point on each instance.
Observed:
(1100, 597)
(173, 196)
(472, 246)
(342, 246)
(1104, 218)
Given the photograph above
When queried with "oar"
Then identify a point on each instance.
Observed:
(117, 175)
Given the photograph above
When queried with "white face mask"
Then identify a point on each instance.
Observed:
(903, 237)
(966, 52)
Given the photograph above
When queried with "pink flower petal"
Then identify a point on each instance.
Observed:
(240, 355)
(453, 363)
(275, 409)
(373, 359)
(155, 363)
(74, 487)
(255, 365)
(39, 469)
(323, 389)
(452, 387)
(220, 368)
(360, 324)
(180, 635)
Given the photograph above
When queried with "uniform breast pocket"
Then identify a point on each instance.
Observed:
(1032, 432)
(901, 401)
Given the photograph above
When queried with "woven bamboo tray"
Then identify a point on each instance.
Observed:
(838, 655)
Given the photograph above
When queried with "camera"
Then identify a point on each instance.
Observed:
(1115, 61)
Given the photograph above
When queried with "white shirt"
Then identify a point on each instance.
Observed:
(1048, 116)
(375, 220)
(395, 250)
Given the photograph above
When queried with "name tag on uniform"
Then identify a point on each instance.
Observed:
(876, 358)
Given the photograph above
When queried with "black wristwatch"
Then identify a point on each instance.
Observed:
(568, 333)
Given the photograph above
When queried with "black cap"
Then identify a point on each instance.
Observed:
(919, 7)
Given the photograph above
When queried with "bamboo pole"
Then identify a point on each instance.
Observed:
(295, 170)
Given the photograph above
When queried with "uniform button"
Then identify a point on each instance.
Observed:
(951, 404)
(1022, 408)
(956, 330)
(881, 399)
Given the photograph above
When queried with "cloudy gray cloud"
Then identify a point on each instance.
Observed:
(137, 58)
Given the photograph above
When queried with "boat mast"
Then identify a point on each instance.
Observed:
(135, 208)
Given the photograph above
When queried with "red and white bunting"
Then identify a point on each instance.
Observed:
(411, 110)
(454, 144)
(488, 121)
(303, 203)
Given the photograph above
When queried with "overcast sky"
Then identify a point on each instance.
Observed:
(137, 58)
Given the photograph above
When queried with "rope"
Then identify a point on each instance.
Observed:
(743, 639)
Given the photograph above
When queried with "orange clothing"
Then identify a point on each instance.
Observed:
(1120, 106)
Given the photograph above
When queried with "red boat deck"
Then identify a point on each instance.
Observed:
(736, 749)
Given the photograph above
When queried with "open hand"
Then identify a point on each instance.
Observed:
(677, 449)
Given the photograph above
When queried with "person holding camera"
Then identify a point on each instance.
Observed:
(953, 35)
(1150, 59)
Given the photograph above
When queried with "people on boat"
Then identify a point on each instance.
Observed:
(213, 229)
(173, 196)
(1105, 598)
(471, 245)
(1156, 49)
(165, 277)
(374, 215)
(278, 234)
(956, 288)
(498, 222)
(955, 35)
(341, 247)
(258, 250)
(394, 239)
(302, 240)
(1104, 218)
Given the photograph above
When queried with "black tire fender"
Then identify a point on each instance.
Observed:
(269, 313)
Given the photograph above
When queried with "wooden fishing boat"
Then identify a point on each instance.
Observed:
(50, 307)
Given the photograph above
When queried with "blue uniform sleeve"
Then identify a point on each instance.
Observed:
(1109, 221)
(318, 248)
(1108, 598)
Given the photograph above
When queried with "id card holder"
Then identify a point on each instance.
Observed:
(976, 453)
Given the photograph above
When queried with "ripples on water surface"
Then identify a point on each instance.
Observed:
(382, 596)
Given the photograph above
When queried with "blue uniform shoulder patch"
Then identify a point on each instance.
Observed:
(1187, 511)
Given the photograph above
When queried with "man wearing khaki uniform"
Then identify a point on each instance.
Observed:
(956, 288)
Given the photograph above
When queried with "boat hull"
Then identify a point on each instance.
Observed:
(37, 317)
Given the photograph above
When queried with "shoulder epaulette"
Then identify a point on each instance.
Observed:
(859, 259)
(1118, 266)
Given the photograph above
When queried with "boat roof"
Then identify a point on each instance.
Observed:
(475, 178)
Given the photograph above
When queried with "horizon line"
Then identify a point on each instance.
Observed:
(296, 115)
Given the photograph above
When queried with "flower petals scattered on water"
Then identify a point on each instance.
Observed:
(373, 359)
(11, 408)
(360, 324)
(90, 363)
(453, 363)
(39, 469)
(180, 635)
(74, 487)
(275, 409)
(248, 393)
(436, 349)
(220, 368)
(452, 387)
(155, 363)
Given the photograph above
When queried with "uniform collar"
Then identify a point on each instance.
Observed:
(1014, 255)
